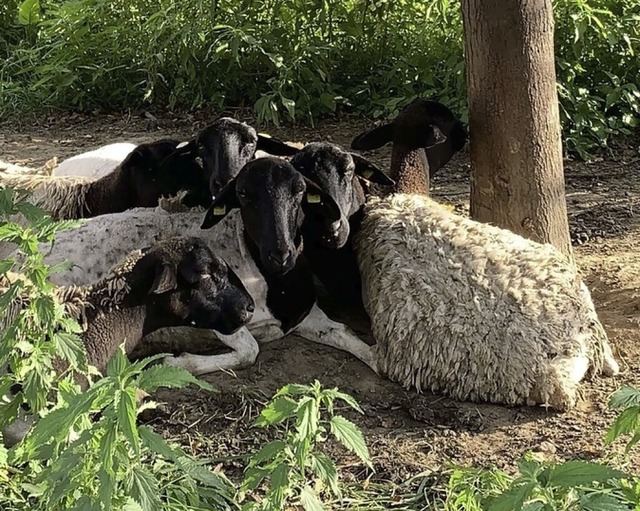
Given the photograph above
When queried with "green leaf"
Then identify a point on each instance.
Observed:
(351, 437)
(602, 502)
(627, 422)
(293, 389)
(268, 452)
(581, 473)
(155, 443)
(107, 447)
(106, 486)
(202, 474)
(253, 477)
(279, 485)
(277, 411)
(336, 394)
(625, 397)
(117, 364)
(32, 213)
(131, 505)
(144, 489)
(3, 455)
(308, 417)
(512, 499)
(169, 377)
(6, 265)
(309, 500)
(70, 347)
(127, 412)
(325, 470)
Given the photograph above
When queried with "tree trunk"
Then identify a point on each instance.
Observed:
(516, 152)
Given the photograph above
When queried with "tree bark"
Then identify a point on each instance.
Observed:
(517, 179)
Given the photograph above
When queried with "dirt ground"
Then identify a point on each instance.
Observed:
(407, 433)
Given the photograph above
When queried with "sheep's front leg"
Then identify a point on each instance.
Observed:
(317, 327)
(245, 351)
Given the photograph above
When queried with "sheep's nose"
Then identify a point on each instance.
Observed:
(251, 307)
(335, 228)
(281, 258)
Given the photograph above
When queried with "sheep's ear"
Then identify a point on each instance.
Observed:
(317, 200)
(374, 138)
(226, 200)
(186, 148)
(182, 149)
(166, 279)
(274, 146)
(370, 171)
(433, 136)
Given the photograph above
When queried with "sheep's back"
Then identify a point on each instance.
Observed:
(472, 310)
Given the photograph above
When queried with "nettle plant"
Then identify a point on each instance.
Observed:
(549, 486)
(299, 473)
(86, 450)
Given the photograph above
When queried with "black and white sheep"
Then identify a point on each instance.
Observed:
(140, 180)
(96, 163)
(465, 308)
(176, 281)
(226, 145)
(258, 217)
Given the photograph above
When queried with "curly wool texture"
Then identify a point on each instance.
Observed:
(63, 197)
(99, 298)
(474, 311)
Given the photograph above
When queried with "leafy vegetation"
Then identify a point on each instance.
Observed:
(293, 464)
(299, 59)
(87, 451)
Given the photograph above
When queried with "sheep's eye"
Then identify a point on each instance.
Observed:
(242, 195)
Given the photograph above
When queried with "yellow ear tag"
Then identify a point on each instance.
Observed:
(367, 173)
(219, 210)
(312, 198)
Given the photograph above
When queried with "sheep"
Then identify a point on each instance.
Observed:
(346, 177)
(254, 224)
(463, 308)
(226, 145)
(328, 245)
(176, 281)
(96, 163)
(139, 181)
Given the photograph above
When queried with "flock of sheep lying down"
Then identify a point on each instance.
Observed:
(222, 236)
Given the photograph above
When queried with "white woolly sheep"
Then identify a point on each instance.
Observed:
(177, 281)
(464, 308)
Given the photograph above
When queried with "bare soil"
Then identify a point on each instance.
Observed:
(407, 432)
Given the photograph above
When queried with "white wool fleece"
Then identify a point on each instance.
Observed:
(474, 311)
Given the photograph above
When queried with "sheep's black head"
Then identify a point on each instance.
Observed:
(335, 171)
(194, 286)
(151, 176)
(270, 194)
(226, 145)
(422, 124)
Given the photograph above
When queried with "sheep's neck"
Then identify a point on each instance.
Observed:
(108, 330)
(410, 170)
(109, 194)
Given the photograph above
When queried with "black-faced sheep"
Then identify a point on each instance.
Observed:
(328, 244)
(465, 308)
(175, 282)
(258, 217)
(139, 181)
(226, 145)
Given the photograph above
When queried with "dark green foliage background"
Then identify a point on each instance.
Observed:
(298, 59)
